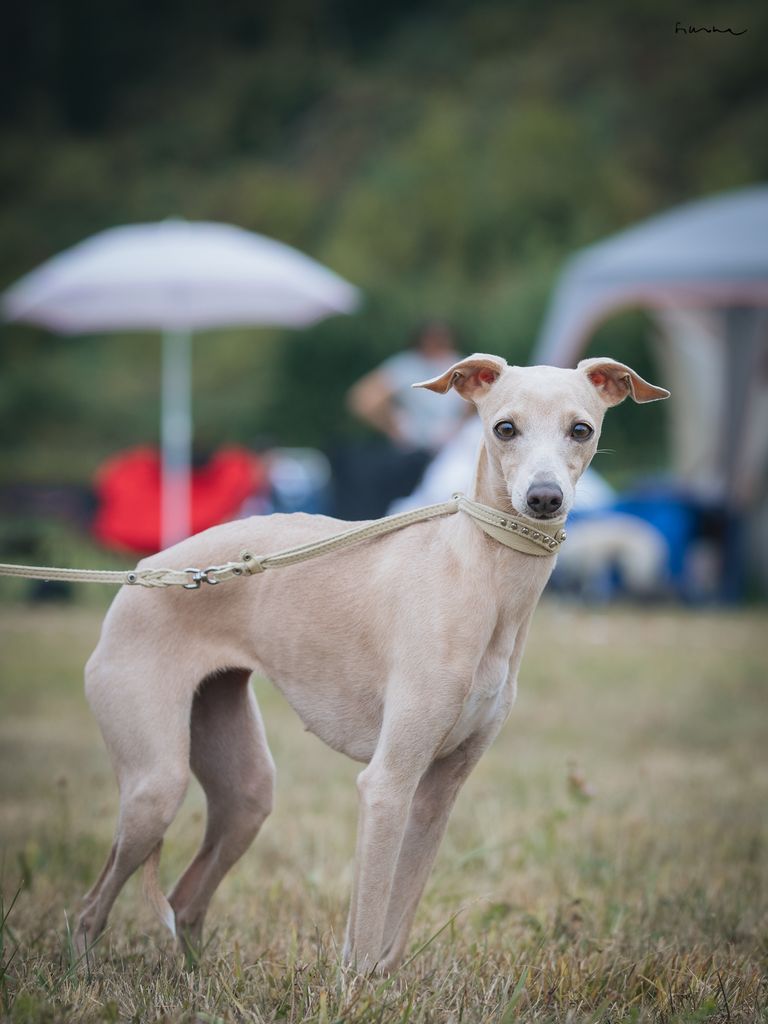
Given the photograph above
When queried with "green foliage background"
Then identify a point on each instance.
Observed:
(446, 157)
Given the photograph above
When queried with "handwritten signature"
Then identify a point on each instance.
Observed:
(709, 29)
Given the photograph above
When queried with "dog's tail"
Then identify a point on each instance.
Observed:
(153, 894)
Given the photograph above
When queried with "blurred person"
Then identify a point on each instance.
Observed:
(408, 416)
(451, 470)
(415, 423)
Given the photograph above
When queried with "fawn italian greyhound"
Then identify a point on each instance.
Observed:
(401, 652)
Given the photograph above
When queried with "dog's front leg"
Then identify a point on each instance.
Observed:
(430, 809)
(407, 745)
(385, 803)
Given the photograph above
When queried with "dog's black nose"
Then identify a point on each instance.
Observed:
(544, 499)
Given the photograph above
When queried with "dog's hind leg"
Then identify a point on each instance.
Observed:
(148, 741)
(230, 757)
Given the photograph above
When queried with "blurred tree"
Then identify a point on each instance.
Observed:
(445, 156)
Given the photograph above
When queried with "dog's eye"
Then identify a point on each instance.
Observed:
(581, 431)
(505, 430)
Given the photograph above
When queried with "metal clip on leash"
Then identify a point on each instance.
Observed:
(200, 576)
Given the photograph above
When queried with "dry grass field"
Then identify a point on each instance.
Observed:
(606, 861)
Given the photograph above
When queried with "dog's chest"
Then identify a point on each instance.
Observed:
(489, 697)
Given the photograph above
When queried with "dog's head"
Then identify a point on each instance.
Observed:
(542, 423)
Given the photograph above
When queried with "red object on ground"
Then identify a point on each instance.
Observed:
(128, 492)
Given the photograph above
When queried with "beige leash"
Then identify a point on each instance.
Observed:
(518, 532)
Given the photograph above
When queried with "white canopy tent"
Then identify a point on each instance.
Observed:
(701, 270)
(177, 276)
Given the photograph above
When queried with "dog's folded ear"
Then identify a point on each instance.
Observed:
(472, 377)
(614, 381)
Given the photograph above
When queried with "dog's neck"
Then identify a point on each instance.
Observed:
(513, 593)
(488, 486)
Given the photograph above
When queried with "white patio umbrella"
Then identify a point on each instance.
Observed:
(177, 276)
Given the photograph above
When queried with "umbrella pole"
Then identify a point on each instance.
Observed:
(176, 438)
